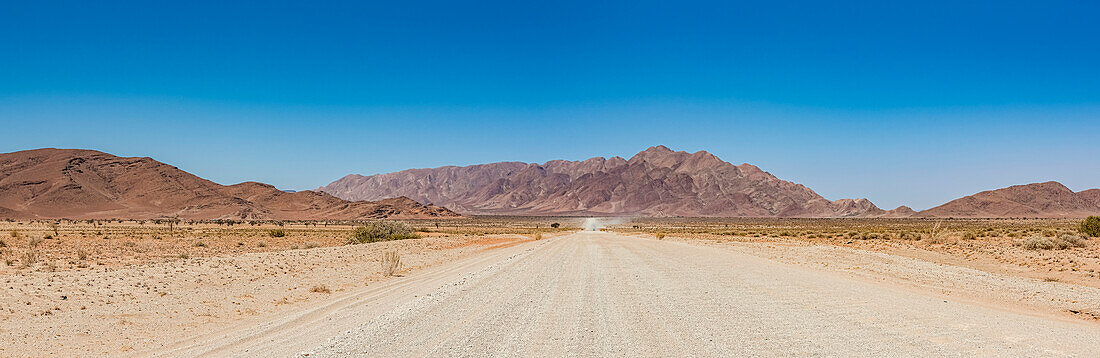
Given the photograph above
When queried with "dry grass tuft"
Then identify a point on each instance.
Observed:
(660, 236)
(391, 262)
(320, 289)
(30, 257)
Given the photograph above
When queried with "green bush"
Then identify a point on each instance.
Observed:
(382, 231)
(1091, 226)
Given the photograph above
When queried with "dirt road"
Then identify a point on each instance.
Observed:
(601, 294)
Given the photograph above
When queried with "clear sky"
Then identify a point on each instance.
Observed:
(911, 103)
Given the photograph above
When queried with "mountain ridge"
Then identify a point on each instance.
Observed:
(1048, 199)
(654, 182)
(85, 184)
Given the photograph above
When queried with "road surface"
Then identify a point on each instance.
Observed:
(598, 294)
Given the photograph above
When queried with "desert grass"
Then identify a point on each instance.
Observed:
(391, 262)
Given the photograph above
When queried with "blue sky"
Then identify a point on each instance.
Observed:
(903, 103)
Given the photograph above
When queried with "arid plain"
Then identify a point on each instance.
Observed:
(109, 288)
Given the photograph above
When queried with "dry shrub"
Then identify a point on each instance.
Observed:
(1038, 243)
(909, 235)
(81, 255)
(320, 289)
(311, 245)
(30, 257)
(660, 236)
(1070, 240)
(1053, 243)
(538, 236)
(382, 231)
(391, 262)
(937, 238)
(276, 233)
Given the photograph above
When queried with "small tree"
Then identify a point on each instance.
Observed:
(1091, 226)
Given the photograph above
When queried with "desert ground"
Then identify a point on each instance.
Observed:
(509, 286)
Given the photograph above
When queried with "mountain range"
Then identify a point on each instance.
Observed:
(80, 184)
(86, 184)
(661, 182)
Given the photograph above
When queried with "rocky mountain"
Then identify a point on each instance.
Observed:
(83, 184)
(899, 212)
(654, 182)
(1043, 200)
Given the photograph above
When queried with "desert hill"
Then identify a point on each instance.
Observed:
(1044, 200)
(898, 212)
(654, 182)
(80, 184)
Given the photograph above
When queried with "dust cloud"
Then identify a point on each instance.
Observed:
(595, 224)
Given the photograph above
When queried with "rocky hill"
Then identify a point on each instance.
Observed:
(81, 184)
(1040, 200)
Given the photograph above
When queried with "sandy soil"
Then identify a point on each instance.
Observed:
(132, 304)
(603, 294)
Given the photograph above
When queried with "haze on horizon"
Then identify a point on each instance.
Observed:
(913, 106)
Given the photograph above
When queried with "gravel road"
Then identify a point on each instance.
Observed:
(601, 294)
